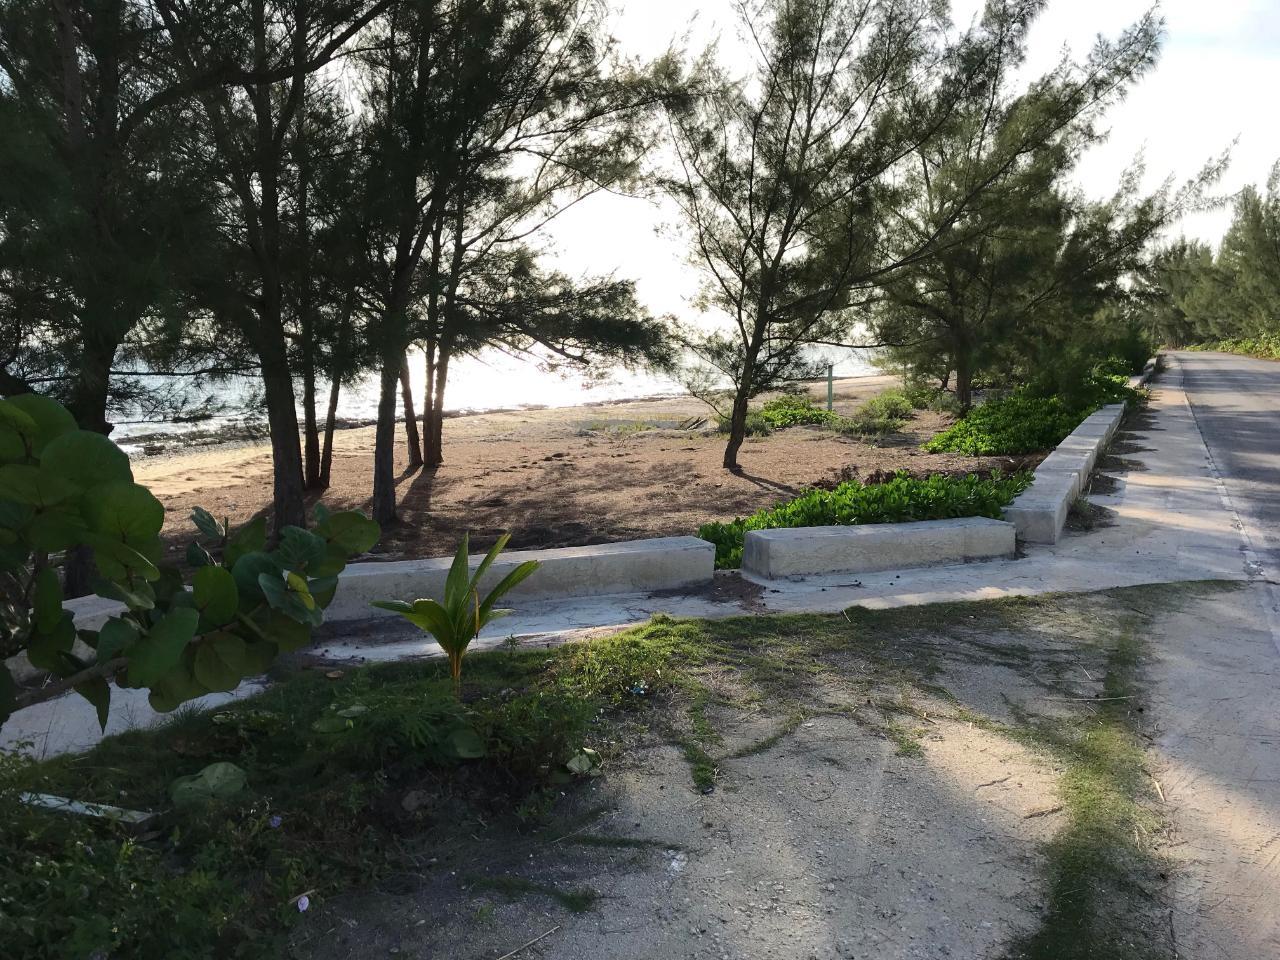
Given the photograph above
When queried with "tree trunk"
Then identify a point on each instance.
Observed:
(964, 381)
(410, 418)
(286, 451)
(306, 319)
(737, 427)
(429, 406)
(89, 390)
(435, 441)
(384, 459)
(88, 404)
(326, 455)
(310, 428)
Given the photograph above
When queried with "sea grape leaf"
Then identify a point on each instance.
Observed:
(221, 662)
(87, 459)
(217, 781)
(351, 530)
(161, 648)
(216, 595)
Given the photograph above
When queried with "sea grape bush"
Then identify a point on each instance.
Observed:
(883, 413)
(791, 410)
(898, 500)
(1011, 425)
(64, 489)
(1024, 423)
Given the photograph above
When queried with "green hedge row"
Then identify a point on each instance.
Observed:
(1023, 423)
(1264, 347)
(901, 499)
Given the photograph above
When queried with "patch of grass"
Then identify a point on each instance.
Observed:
(899, 499)
(578, 900)
(907, 740)
(765, 744)
(1101, 868)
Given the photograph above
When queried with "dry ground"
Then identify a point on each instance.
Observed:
(566, 476)
(926, 791)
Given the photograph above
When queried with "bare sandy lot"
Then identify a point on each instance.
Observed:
(564, 476)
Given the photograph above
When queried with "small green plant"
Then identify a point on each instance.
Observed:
(883, 413)
(456, 622)
(900, 499)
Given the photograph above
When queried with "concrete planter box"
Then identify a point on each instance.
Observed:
(808, 551)
(633, 566)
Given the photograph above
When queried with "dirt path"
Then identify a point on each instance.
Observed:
(1216, 680)
(903, 797)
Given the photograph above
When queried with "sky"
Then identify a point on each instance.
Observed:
(1215, 83)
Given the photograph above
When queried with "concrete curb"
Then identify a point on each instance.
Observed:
(1040, 511)
(631, 566)
(868, 548)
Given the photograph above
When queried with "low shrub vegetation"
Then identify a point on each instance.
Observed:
(1025, 422)
(793, 410)
(1264, 347)
(883, 413)
(337, 774)
(900, 499)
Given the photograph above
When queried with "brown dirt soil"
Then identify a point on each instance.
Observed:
(566, 476)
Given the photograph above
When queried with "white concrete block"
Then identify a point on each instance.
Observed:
(807, 551)
(1040, 511)
(633, 566)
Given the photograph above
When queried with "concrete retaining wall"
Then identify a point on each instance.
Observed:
(633, 566)
(1040, 511)
(806, 551)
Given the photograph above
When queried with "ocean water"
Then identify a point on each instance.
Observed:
(491, 381)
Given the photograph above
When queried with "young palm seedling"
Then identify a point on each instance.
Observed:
(456, 622)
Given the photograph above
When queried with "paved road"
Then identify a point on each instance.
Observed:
(1237, 405)
(1216, 675)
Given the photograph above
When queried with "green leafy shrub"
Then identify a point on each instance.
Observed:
(883, 413)
(1012, 425)
(758, 425)
(900, 499)
(1264, 346)
(63, 489)
(790, 410)
(1024, 422)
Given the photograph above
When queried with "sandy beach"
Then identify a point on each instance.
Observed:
(563, 476)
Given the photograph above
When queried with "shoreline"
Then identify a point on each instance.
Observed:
(251, 435)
